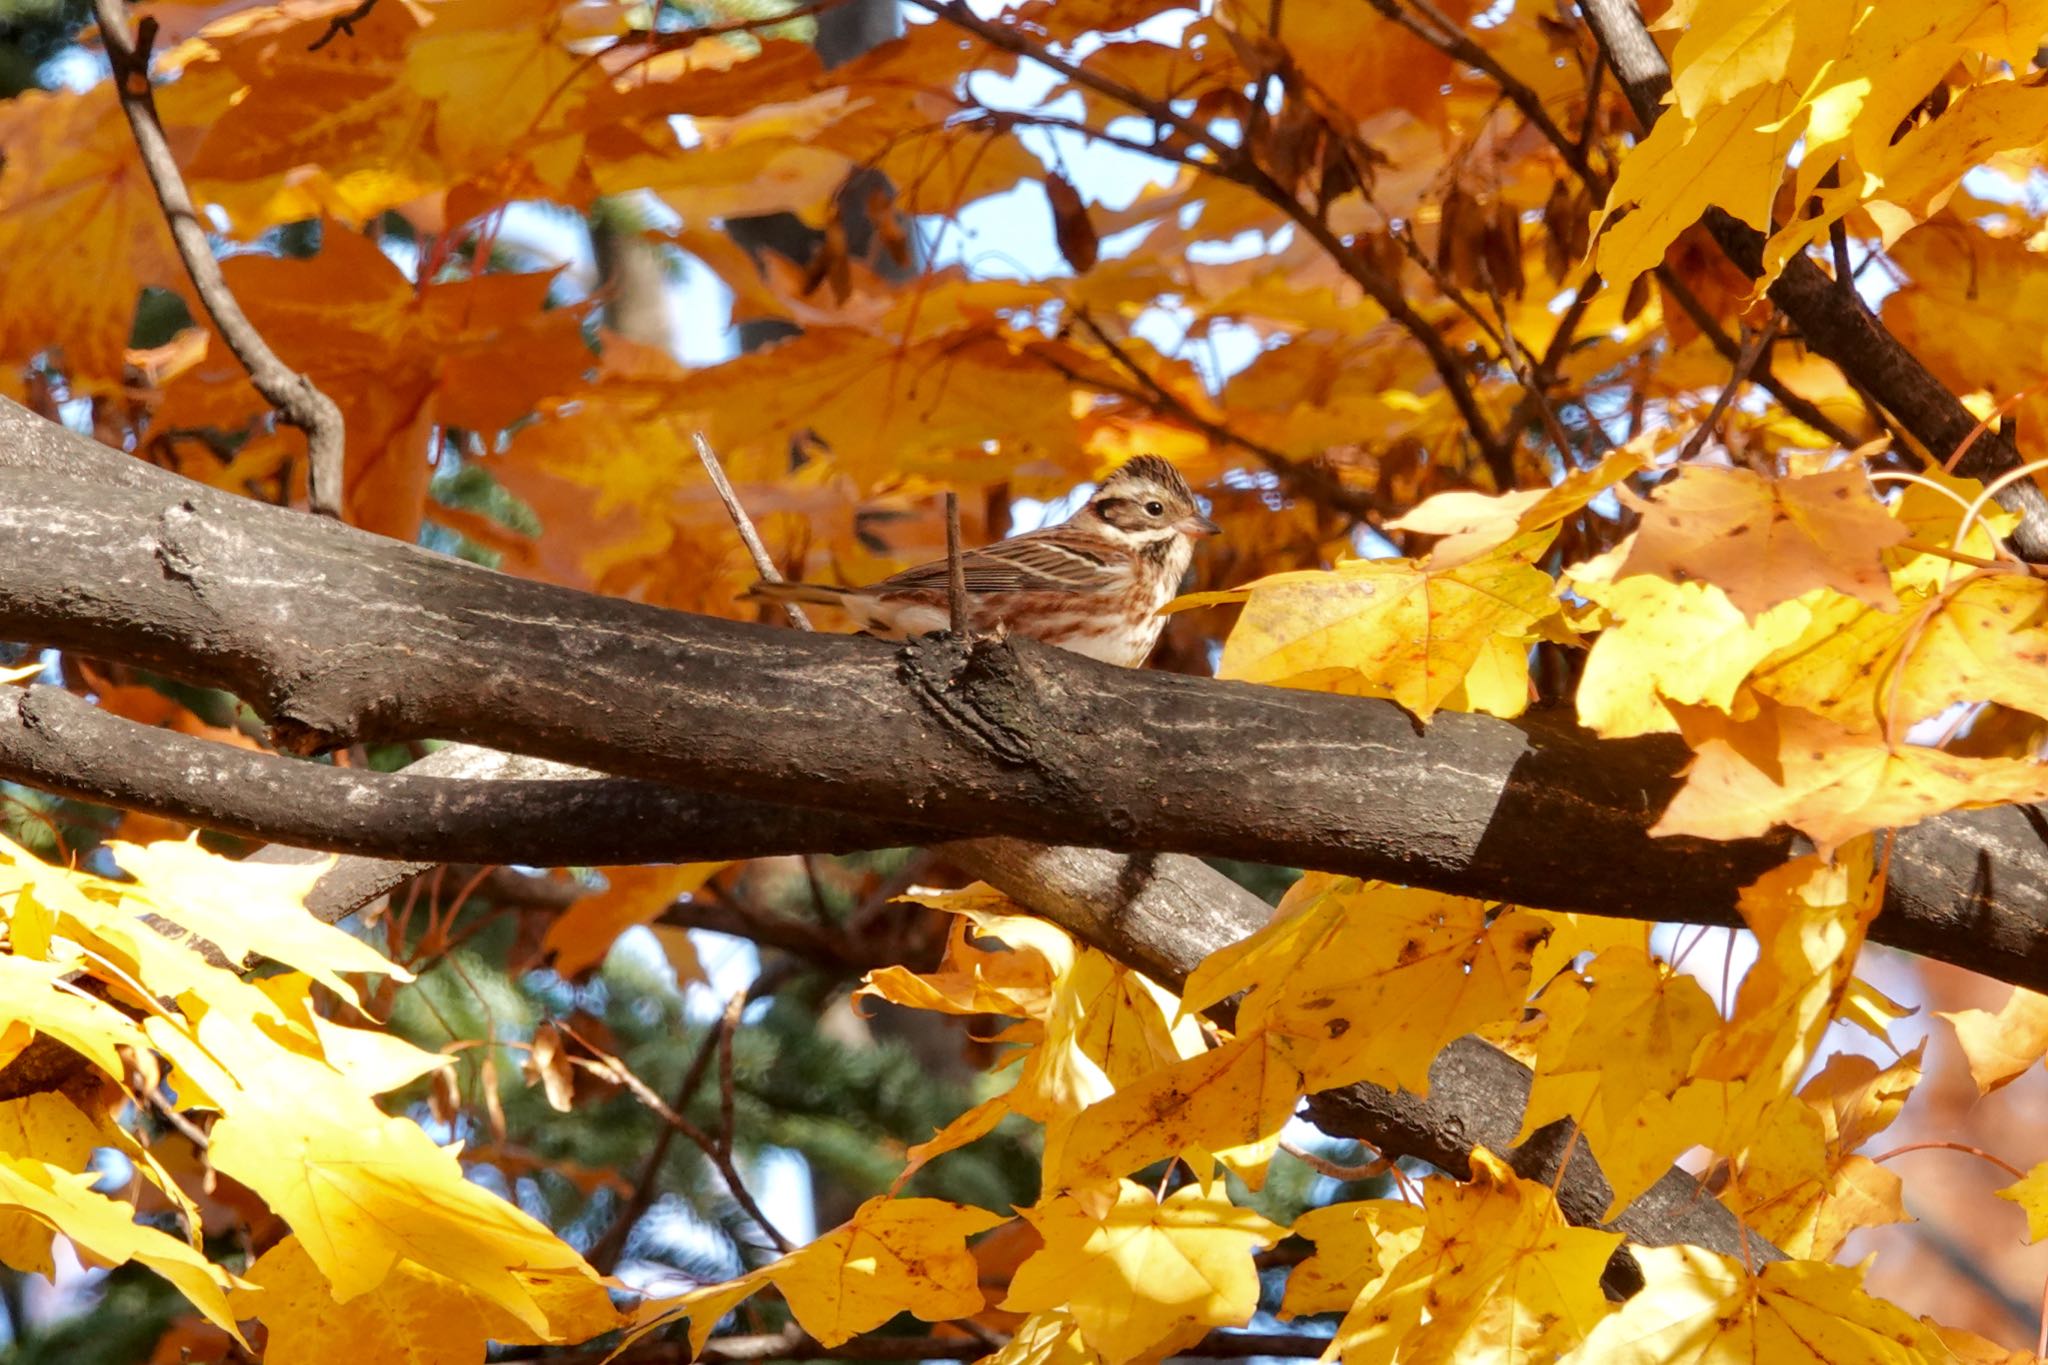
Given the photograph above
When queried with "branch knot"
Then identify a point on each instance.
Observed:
(976, 689)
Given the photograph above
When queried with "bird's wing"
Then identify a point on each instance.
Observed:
(1037, 562)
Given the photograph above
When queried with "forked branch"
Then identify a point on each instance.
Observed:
(298, 400)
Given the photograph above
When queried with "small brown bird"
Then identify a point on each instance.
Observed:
(1093, 584)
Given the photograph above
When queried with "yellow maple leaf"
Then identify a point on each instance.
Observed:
(701, 1308)
(51, 1129)
(80, 233)
(1395, 628)
(413, 1314)
(363, 1191)
(2030, 1192)
(1809, 918)
(1669, 642)
(1614, 1047)
(1230, 1102)
(1765, 541)
(1094, 1024)
(1862, 92)
(1473, 524)
(374, 1060)
(1933, 516)
(1831, 785)
(1732, 156)
(104, 1229)
(893, 1256)
(247, 909)
(1016, 981)
(1998, 1047)
(969, 1127)
(1498, 1273)
(1800, 1185)
(1148, 1277)
(1708, 1309)
(1106, 1027)
(582, 935)
(1573, 936)
(1640, 1057)
(1357, 1247)
(1983, 640)
(1044, 1339)
(1752, 78)
(1923, 168)
(40, 1000)
(1366, 981)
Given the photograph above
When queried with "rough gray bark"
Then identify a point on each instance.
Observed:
(338, 636)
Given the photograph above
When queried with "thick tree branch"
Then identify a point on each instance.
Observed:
(1160, 913)
(1853, 338)
(339, 635)
(61, 743)
(297, 399)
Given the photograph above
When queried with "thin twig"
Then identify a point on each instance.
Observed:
(744, 524)
(140, 1088)
(342, 24)
(1744, 363)
(1801, 408)
(2000, 1162)
(674, 39)
(1302, 479)
(605, 1255)
(728, 1025)
(1845, 274)
(956, 572)
(297, 400)
(602, 1063)
(1347, 1175)
(1533, 384)
(1235, 163)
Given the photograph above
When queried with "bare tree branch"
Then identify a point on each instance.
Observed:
(299, 402)
(61, 743)
(380, 640)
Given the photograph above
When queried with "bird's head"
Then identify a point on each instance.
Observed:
(1147, 502)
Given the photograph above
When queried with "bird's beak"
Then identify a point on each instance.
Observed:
(1197, 525)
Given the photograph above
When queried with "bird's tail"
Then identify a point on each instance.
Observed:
(806, 594)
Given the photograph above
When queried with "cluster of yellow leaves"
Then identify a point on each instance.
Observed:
(1752, 80)
(1361, 982)
(1794, 630)
(386, 1232)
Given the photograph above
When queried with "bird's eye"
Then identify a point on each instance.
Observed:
(1154, 509)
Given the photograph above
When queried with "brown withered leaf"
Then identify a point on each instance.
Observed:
(547, 1065)
(1070, 223)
